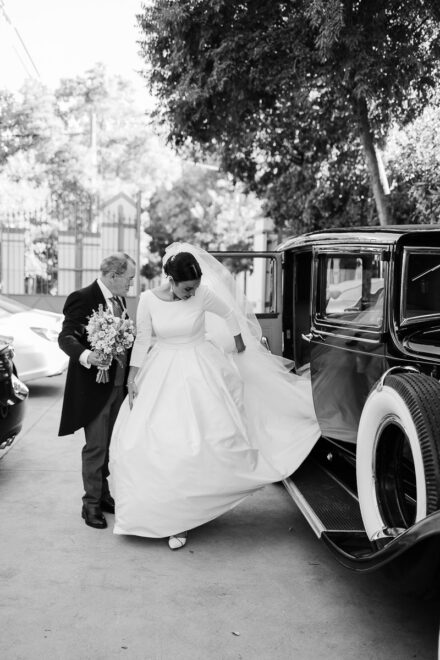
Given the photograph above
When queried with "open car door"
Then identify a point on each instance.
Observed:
(260, 278)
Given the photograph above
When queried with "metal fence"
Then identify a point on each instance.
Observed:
(58, 247)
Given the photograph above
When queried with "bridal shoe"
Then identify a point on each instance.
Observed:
(178, 541)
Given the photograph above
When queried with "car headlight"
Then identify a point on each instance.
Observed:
(20, 390)
(46, 333)
(7, 340)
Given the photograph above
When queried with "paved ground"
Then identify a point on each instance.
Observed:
(254, 584)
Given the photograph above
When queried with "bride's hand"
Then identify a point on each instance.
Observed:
(132, 392)
(239, 344)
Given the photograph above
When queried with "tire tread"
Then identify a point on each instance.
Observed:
(421, 394)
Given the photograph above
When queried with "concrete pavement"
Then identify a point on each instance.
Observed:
(253, 585)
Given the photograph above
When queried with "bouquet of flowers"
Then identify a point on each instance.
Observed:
(109, 336)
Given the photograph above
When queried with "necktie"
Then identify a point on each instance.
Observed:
(117, 307)
(122, 360)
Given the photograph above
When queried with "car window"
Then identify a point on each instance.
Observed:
(421, 284)
(256, 276)
(352, 288)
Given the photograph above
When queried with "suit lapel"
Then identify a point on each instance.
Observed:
(97, 295)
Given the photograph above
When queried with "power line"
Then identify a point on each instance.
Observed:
(8, 20)
(23, 63)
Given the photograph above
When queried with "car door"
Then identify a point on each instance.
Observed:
(259, 276)
(347, 334)
(297, 297)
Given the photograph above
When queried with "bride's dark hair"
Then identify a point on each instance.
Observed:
(183, 267)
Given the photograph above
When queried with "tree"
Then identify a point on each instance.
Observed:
(201, 207)
(62, 151)
(23, 120)
(412, 157)
(277, 86)
(119, 147)
(89, 137)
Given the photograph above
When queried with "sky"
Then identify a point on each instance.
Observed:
(64, 38)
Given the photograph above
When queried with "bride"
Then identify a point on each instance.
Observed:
(211, 416)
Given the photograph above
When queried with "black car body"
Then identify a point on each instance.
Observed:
(361, 311)
(358, 310)
(13, 396)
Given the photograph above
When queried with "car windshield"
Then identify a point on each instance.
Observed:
(421, 286)
(8, 306)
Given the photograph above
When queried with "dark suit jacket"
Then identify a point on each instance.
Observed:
(84, 398)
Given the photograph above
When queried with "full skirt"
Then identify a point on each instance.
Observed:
(207, 428)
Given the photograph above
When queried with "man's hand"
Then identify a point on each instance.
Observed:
(98, 360)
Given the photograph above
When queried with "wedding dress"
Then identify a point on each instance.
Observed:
(208, 426)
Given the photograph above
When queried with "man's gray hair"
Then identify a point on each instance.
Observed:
(116, 263)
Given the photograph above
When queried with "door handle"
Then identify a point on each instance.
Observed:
(313, 335)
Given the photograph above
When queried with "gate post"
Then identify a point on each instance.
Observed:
(12, 255)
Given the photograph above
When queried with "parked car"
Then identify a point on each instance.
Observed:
(13, 396)
(34, 333)
(370, 489)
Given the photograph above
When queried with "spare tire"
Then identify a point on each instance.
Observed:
(398, 453)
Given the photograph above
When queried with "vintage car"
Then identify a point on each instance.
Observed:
(358, 310)
(13, 396)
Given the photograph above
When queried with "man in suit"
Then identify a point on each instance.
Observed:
(88, 404)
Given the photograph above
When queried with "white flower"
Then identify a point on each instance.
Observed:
(109, 335)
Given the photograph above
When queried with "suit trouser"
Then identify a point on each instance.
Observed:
(96, 450)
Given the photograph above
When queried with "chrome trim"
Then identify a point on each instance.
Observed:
(423, 318)
(381, 383)
(305, 508)
(351, 337)
(353, 248)
(334, 322)
(359, 339)
(388, 533)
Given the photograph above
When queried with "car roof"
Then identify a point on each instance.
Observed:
(376, 235)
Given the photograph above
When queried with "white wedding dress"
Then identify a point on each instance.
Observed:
(207, 427)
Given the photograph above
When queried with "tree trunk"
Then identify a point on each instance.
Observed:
(372, 163)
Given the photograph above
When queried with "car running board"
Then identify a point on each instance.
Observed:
(323, 500)
(332, 511)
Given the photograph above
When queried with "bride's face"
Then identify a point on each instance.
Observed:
(185, 290)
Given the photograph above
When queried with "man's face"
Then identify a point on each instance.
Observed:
(120, 284)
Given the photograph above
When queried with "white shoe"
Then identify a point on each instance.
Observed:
(178, 541)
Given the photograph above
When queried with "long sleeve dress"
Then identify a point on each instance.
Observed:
(207, 427)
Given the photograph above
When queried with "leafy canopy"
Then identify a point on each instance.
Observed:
(276, 86)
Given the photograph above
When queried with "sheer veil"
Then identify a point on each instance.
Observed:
(218, 278)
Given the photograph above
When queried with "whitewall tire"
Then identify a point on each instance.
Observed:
(398, 453)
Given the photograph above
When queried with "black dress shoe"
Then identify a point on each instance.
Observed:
(93, 517)
(108, 504)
